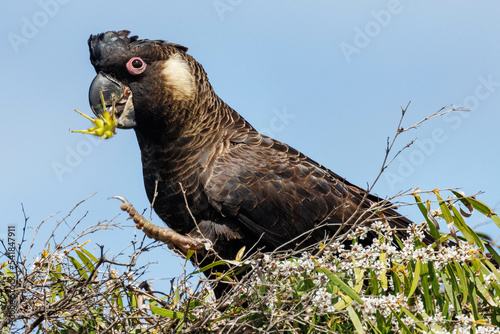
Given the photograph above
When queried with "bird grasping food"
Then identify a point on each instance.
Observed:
(104, 125)
(208, 173)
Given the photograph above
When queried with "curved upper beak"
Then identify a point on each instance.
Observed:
(113, 92)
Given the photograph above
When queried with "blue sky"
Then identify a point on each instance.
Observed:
(327, 77)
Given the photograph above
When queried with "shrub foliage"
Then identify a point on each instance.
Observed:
(384, 285)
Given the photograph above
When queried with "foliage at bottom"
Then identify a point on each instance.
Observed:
(389, 284)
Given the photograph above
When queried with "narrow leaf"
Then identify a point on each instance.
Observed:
(355, 320)
(338, 282)
(346, 300)
(240, 253)
(383, 272)
(211, 265)
(425, 213)
(189, 254)
(90, 255)
(461, 274)
(78, 267)
(468, 233)
(416, 277)
(445, 212)
(479, 206)
(88, 263)
(473, 300)
(176, 298)
(417, 321)
(493, 253)
(402, 325)
(167, 313)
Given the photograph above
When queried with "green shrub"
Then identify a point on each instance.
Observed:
(384, 285)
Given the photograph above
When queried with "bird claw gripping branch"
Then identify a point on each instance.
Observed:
(174, 240)
(104, 125)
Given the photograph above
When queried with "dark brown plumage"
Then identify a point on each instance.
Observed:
(241, 186)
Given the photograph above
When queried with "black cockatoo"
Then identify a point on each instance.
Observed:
(207, 171)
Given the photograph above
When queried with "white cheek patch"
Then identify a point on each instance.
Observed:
(178, 78)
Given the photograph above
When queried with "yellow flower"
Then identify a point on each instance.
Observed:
(104, 126)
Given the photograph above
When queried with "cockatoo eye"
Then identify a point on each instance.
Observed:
(136, 66)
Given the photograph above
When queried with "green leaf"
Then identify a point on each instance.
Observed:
(374, 283)
(473, 300)
(418, 322)
(416, 277)
(383, 272)
(479, 206)
(445, 212)
(493, 253)
(401, 323)
(56, 274)
(189, 254)
(338, 282)
(133, 300)
(373, 327)
(346, 300)
(495, 318)
(397, 281)
(167, 313)
(89, 254)
(240, 254)
(211, 265)
(434, 230)
(426, 291)
(118, 300)
(435, 282)
(194, 303)
(492, 268)
(462, 198)
(355, 320)
(176, 298)
(359, 274)
(468, 233)
(88, 263)
(343, 302)
(462, 280)
(78, 267)
(398, 241)
(8, 272)
(480, 288)
(495, 219)
(447, 281)
(180, 327)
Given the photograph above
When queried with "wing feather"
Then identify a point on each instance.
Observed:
(271, 188)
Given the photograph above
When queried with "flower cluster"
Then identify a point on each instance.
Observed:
(322, 301)
(381, 273)
(46, 260)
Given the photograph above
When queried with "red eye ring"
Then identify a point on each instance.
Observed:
(136, 66)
